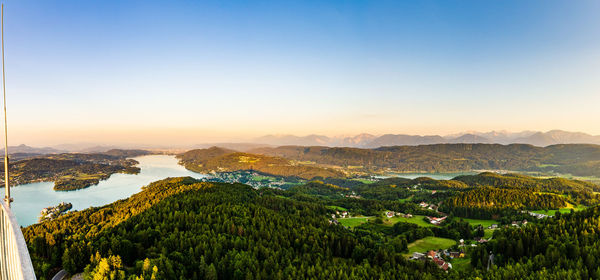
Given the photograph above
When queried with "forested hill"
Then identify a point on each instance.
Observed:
(521, 181)
(73, 170)
(566, 247)
(184, 229)
(576, 159)
(223, 160)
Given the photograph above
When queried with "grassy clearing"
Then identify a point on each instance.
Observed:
(430, 243)
(306, 162)
(261, 178)
(416, 219)
(364, 181)
(461, 264)
(487, 233)
(547, 165)
(338, 208)
(353, 222)
(406, 199)
(484, 223)
(561, 210)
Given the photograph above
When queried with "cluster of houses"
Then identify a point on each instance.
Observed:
(428, 206)
(539, 216)
(436, 221)
(391, 214)
(338, 214)
(50, 213)
(438, 257)
(519, 223)
(352, 195)
(479, 240)
(245, 177)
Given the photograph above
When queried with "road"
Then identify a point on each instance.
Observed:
(60, 275)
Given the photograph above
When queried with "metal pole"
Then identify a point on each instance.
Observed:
(6, 178)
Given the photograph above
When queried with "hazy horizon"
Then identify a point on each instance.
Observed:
(176, 141)
(181, 73)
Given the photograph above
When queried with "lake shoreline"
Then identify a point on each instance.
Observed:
(30, 199)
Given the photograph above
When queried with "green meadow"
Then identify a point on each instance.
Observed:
(430, 243)
(353, 222)
(416, 219)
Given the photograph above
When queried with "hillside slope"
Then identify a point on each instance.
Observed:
(182, 229)
(575, 159)
(224, 160)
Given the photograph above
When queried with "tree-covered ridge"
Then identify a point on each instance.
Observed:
(73, 170)
(485, 196)
(192, 230)
(223, 160)
(523, 192)
(319, 188)
(565, 247)
(499, 198)
(200, 155)
(182, 228)
(555, 184)
(576, 159)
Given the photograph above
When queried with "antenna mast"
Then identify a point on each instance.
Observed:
(7, 197)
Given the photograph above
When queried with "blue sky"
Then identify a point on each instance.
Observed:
(186, 72)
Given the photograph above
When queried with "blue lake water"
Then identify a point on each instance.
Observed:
(31, 198)
(436, 176)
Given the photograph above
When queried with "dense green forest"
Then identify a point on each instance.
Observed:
(576, 159)
(486, 202)
(559, 185)
(182, 228)
(222, 160)
(565, 247)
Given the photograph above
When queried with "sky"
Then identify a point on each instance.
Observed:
(185, 72)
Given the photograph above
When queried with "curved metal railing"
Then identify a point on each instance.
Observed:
(15, 263)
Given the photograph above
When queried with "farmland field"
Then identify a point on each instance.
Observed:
(338, 208)
(561, 210)
(430, 243)
(484, 223)
(416, 219)
(353, 222)
(461, 264)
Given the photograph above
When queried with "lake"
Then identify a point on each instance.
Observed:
(30, 199)
(436, 176)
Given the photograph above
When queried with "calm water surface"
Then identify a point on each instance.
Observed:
(436, 176)
(31, 198)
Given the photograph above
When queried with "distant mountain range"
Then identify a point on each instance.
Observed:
(24, 149)
(364, 140)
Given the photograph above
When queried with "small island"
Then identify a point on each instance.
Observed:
(51, 213)
(70, 182)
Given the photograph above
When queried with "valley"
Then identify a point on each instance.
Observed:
(301, 140)
(401, 218)
(362, 220)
